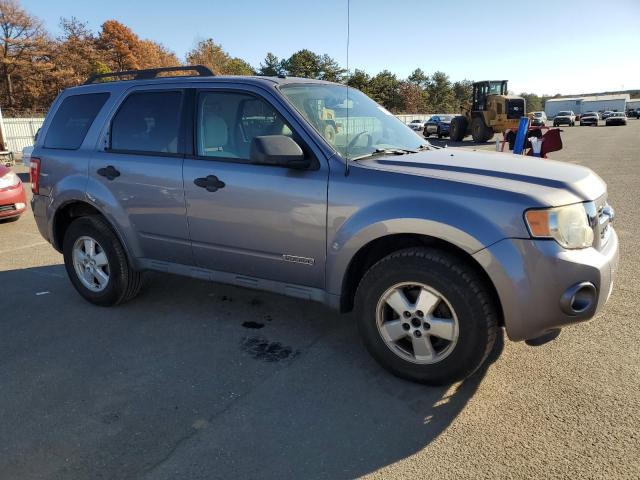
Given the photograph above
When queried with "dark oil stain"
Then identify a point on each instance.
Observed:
(110, 418)
(252, 325)
(255, 302)
(262, 349)
(267, 318)
(224, 298)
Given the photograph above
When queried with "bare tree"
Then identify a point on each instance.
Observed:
(23, 38)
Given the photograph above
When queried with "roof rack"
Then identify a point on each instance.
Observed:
(150, 73)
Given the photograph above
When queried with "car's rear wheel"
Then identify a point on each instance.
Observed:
(97, 264)
(426, 316)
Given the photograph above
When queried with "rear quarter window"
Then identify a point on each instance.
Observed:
(73, 119)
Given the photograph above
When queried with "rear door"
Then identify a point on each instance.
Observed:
(140, 164)
(259, 221)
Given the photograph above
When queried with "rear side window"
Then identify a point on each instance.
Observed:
(148, 122)
(71, 122)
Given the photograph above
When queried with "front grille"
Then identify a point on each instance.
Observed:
(601, 221)
(515, 108)
(7, 208)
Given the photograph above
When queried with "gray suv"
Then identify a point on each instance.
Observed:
(310, 189)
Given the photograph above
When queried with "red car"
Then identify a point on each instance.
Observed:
(13, 200)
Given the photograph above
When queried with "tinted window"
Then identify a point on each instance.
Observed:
(148, 122)
(73, 119)
(228, 122)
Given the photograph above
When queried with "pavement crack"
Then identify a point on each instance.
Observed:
(229, 405)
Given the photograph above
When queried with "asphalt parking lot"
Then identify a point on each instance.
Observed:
(198, 380)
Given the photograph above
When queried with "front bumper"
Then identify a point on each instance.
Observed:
(532, 278)
(13, 201)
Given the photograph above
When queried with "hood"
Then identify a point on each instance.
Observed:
(549, 182)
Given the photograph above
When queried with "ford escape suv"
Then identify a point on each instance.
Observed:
(311, 189)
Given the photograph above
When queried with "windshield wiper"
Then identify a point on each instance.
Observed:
(381, 151)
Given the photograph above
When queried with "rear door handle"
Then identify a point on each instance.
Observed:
(109, 172)
(210, 182)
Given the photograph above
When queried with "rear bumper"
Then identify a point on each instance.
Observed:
(39, 208)
(537, 281)
(13, 201)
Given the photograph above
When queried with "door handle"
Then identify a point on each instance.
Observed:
(109, 172)
(210, 182)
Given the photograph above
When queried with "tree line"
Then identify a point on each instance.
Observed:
(35, 66)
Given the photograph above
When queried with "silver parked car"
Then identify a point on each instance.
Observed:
(232, 179)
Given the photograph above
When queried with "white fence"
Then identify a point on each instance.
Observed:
(20, 132)
(407, 117)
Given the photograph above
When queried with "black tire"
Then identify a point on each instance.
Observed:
(463, 288)
(479, 131)
(330, 134)
(124, 283)
(457, 129)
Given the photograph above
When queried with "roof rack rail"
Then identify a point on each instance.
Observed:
(150, 73)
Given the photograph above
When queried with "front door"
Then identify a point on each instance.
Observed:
(260, 221)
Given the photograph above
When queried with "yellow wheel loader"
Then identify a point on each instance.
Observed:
(490, 110)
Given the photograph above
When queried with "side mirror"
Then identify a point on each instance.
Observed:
(278, 150)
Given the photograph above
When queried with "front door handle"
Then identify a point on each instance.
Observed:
(210, 182)
(109, 172)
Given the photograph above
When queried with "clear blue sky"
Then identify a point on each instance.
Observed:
(561, 46)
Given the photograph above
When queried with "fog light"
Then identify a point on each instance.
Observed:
(20, 206)
(578, 299)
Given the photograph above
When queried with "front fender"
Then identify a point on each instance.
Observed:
(443, 219)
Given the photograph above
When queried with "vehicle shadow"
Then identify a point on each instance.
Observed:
(198, 377)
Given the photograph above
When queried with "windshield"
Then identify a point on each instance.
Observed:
(590, 114)
(564, 113)
(537, 114)
(445, 118)
(368, 128)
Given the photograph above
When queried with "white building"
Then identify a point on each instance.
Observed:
(635, 103)
(597, 103)
(602, 103)
(554, 105)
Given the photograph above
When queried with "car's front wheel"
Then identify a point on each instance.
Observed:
(97, 264)
(426, 315)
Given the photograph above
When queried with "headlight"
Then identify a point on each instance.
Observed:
(10, 179)
(568, 225)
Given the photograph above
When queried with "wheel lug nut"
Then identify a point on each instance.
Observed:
(426, 326)
(419, 313)
(417, 333)
(406, 326)
(407, 314)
